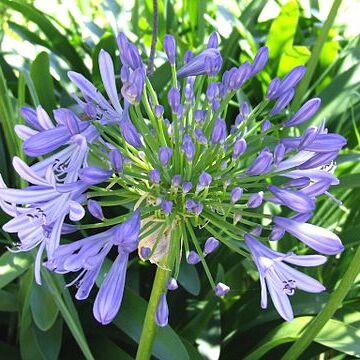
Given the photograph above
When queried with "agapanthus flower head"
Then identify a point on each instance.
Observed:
(170, 165)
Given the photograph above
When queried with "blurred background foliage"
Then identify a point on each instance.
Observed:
(41, 40)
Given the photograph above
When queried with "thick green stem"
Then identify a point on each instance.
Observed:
(329, 310)
(159, 286)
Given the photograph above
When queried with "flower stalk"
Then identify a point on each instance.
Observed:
(161, 279)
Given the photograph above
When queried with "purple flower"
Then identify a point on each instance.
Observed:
(304, 113)
(170, 48)
(94, 104)
(127, 233)
(211, 245)
(95, 209)
(279, 153)
(176, 180)
(317, 188)
(162, 312)
(255, 200)
(158, 111)
(262, 164)
(319, 239)
(199, 116)
(239, 148)
(282, 102)
(188, 147)
(295, 200)
(280, 279)
(186, 186)
(266, 125)
(129, 53)
(189, 89)
(193, 258)
(308, 138)
(117, 160)
(107, 73)
(133, 88)
(244, 109)
(154, 176)
(298, 183)
(221, 289)
(145, 252)
(213, 40)
(87, 256)
(276, 233)
(164, 155)
(291, 80)
(260, 60)
(174, 99)
(219, 132)
(43, 207)
(273, 87)
(212, 91)
(172, 284)
(319, 159)
(166, 206)
(188, 56)
(93, 175)
(129, 131)
(208, 62)
(236, 194)
(200, 137)
(204, 181)
(50, 138)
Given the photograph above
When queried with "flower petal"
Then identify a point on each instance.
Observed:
(77, 212)
(27, 173)
(106, 67)
(109, 297)
(318, 238)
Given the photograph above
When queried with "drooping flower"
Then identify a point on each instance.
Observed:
(279, 279)
(87, 255)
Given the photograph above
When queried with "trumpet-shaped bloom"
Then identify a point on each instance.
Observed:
(280, 279)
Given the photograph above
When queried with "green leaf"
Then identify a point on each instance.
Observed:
(189, 278)
(130, 319)
(40, 75)
(335, 97)
(13, 265)
(11, 352)
(315, 53)
(28, 35)
(336, 335)
(63, 301)
(105, 349)
(49, 341)
(8, 301)
(349, 181)
(8, 117)
(43, 307)
(60, 44)
(29, 347)
(294, 56)
(282, 31)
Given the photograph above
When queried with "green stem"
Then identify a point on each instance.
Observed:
(315, 54)
(159, 286)
(329, 310)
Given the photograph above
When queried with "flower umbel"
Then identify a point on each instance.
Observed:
(176, 165)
